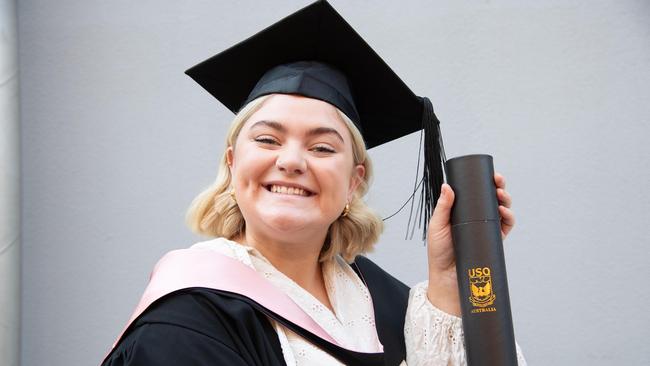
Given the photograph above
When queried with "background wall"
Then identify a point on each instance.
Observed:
(9, 188)
(116, 141)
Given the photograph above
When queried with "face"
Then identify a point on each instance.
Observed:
(292, 166)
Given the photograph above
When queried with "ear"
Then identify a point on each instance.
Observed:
(230, 158)
(358, 173)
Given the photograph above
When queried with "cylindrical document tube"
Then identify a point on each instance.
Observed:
(480, 264)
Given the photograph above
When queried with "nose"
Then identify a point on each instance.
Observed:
(290, 160)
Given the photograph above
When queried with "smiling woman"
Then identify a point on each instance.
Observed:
(284, 281)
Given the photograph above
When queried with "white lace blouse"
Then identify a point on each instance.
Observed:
(432, 336)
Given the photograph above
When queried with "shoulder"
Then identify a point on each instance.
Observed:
(197, 326)
(201, 253)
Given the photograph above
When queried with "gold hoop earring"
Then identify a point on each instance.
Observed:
(346, 210)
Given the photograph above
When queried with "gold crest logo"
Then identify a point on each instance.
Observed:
(480, 283)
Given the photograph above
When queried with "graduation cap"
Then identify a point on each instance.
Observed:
(315, 53)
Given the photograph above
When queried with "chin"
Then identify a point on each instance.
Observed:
(289, 220)
(288, 223)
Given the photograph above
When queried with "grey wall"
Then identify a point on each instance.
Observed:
(9, 188)
(116, 141)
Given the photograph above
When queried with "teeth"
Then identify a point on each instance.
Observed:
(288, 190)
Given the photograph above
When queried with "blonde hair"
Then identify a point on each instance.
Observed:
(214, 213)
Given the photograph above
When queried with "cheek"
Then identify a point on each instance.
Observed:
(248, 167)
(336, 180)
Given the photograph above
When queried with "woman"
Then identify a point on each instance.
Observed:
(282, 283)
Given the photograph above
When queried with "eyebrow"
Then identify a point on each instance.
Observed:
(313, 132)
(274, 125)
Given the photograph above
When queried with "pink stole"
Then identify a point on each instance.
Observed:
(196, 267)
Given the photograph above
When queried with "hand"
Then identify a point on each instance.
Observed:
(443, 284)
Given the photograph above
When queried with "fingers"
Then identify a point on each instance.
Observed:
(505, 202)
(507, 220)
(499, 180)
(504, 198)
(441, 213)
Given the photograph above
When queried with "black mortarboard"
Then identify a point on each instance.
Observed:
(314, 52)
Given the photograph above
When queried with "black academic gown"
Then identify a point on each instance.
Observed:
(201, 326)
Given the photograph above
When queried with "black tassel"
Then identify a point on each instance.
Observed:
(432, 175)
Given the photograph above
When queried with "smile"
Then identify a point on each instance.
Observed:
(296, 191)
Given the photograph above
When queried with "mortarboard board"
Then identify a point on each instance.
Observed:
(314, 52)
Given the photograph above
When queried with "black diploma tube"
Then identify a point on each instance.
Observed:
(480, 264)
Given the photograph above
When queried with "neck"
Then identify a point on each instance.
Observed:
(297, 260)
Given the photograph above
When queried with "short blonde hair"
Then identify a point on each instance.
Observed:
(214, 213)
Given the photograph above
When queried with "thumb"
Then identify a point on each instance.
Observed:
(441, 213)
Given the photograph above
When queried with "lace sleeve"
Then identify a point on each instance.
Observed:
(432, 336)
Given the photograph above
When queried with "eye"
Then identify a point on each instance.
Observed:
(323, 149)
(266, 140)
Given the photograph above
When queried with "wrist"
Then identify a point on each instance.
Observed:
(442, 292)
